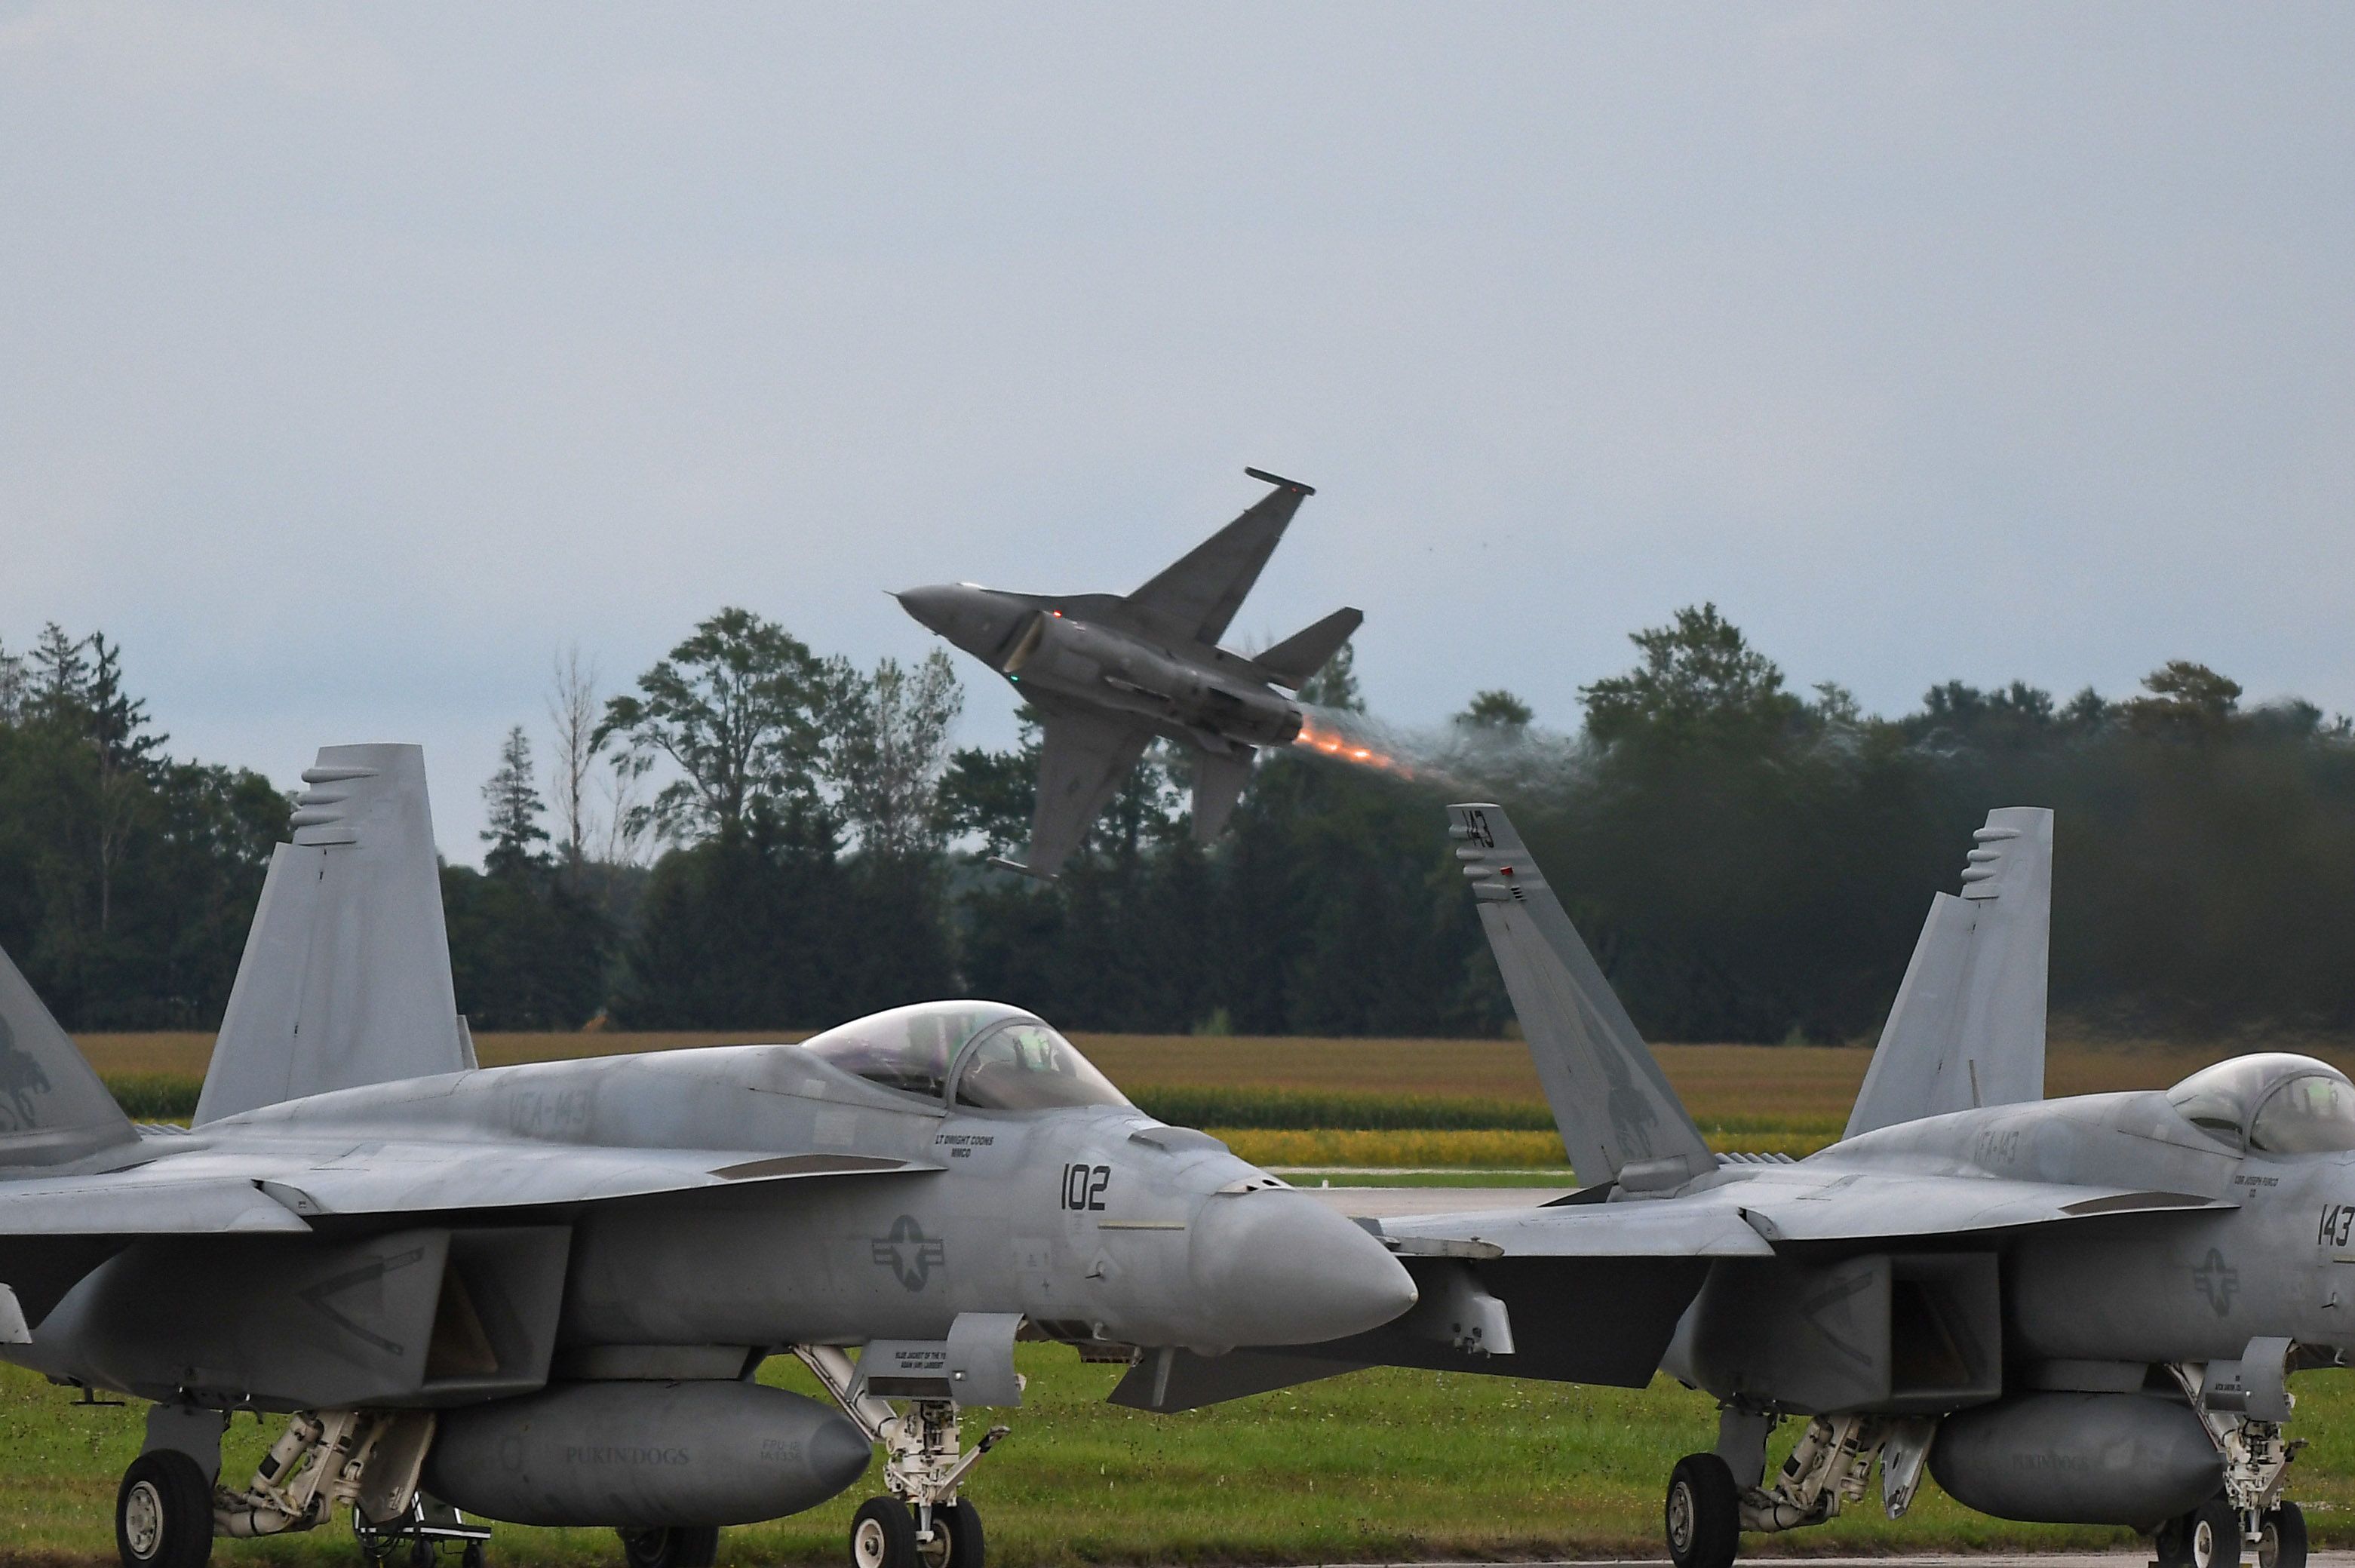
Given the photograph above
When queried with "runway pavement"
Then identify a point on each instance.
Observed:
(1924, 1560)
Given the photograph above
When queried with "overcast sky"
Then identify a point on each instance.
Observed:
(354, 359)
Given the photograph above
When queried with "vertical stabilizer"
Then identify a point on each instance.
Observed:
(53, 1108)
(1967, 1026)
(346, 979)
(1619, 1119)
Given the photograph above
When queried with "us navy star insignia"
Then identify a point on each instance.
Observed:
(908, 1253)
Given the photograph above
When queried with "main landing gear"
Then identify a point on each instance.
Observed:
(678, 1546)
(922, 1523)
(164, 1512)
(1708, 1504)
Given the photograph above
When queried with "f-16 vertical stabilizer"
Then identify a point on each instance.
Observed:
(1619, 1119)
(1967, 1028)
(53, 1108)
(346, 979)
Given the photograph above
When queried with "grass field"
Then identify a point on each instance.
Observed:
(1377, 1466)
(1387, 1464)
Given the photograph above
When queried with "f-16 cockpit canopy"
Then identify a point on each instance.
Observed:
(2271, 1103)
(1002, 1058)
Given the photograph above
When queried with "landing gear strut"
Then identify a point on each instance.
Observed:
(922, 1523)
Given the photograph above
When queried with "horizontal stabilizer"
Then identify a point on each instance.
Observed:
(1967, 1026)
(1619, 1118)
(53, 1106)
(346, 979)
(1295, 661)
(1200, 592)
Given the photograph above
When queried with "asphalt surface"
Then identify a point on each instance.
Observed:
(1924, 1560)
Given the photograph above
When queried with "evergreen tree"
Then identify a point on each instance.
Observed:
(512, 798)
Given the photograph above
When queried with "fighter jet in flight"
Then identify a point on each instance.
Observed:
(1106, 674)
(539, 1293)
(2084, 1310)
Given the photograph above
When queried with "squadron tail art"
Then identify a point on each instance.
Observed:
(497, 1290)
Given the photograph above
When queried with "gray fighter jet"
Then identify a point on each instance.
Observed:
(1107, 674)
(2084, 1310)
(539, 1293)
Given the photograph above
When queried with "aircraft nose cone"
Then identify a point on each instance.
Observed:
(931, 606)
(1276, 1268)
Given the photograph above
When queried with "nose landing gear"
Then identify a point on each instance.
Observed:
(923, 1523)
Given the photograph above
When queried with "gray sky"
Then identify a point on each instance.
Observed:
(352, 360)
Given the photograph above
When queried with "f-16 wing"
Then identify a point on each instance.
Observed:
(1082, 758)
(1201, 590)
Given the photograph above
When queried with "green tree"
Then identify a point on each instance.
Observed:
(2186, 700)
(742, 707)
(512, 797)
(1497, 711)
(1698, 679)
(889, 748)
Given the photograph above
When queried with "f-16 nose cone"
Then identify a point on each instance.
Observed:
(1279, 1268)
(931, 606)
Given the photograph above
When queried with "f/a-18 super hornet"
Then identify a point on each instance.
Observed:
(539, 1293)
(2083, 1310)
(1106, 674)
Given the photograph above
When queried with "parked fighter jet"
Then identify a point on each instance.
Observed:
(2084, 1310)
(1105, 675)
(539, 1293)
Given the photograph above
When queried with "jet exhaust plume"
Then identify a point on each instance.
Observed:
(1517, 761)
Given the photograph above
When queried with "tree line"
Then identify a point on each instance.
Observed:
(753, 835)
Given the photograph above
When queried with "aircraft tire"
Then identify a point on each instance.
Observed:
(2170, 1543)
(675, 1546)
(2281, 1537)
(960, 1521)
(2213, 1538)
(164, 1512)
(883, 1535)
(1703, 1513)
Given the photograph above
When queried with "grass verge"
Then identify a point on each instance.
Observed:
(1383, 1466)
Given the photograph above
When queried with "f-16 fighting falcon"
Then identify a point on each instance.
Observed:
(2084, 1310)
(539, 1293)
(1107, 674)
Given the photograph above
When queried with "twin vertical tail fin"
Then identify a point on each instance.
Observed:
(346, 979)
(1619, 1118)
(53, 1106)
(1967, 1028)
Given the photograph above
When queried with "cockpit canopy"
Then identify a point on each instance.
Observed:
(999, 1057)
(2271, 1103)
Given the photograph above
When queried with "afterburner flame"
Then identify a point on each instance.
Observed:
(1329, 738)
